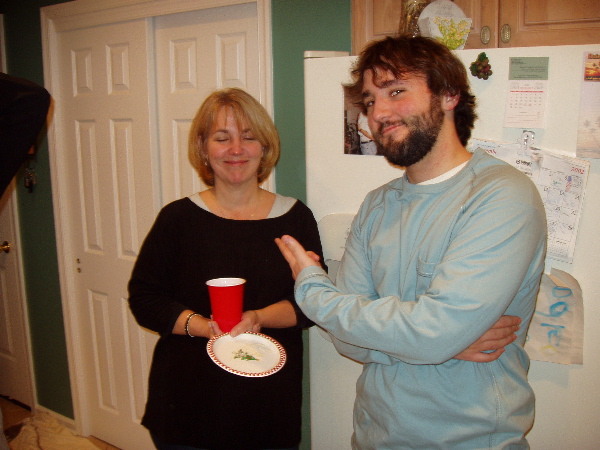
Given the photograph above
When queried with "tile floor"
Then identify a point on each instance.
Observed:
(13, 415)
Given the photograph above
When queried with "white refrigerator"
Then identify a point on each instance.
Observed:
(567, 396)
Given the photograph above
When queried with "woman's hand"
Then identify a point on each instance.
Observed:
(214, 329)
(277, 315)
(250, 322)
(197, 325)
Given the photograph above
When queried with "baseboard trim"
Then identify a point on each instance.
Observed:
(65, 421)
(16, 402)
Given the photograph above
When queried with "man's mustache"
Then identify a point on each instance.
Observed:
(388, 123)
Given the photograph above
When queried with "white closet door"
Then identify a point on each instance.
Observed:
(108, 169)
(126, 93)
(15, 358)
(196, 53)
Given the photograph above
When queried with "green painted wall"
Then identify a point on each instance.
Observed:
(49, 351)
(298, 25)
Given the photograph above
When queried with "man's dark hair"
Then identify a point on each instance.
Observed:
(406, 55)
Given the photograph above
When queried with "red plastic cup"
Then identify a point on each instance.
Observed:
(226, 301)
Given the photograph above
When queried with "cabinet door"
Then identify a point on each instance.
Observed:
(531, 22)
(550, 22)
(373, 19)
(483, 14)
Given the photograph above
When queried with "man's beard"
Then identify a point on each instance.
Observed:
(423, 131)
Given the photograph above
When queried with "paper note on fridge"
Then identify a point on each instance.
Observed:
(561, 182)
(556, 330)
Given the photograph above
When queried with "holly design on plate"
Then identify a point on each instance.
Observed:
(244, 356)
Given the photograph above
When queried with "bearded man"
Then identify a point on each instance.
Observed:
(433, 260)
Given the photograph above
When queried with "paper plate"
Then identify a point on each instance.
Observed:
(247, 355)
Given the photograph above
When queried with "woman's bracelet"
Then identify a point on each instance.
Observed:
(187, 323)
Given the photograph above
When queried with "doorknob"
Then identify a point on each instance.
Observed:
(5, 247)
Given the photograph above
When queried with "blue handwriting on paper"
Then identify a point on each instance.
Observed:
(556, 310)
(554, 335)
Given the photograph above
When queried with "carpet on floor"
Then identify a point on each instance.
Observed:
(44, 432)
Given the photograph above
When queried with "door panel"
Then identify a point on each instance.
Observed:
(373, 19)
(110, 176)
(550, 22)
(483, 14)
(196, 53)
(15, 369)
(533, 22)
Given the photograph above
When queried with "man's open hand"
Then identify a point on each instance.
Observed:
(295, 255)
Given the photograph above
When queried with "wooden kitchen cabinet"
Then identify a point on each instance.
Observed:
(531, 22)
(373, 19)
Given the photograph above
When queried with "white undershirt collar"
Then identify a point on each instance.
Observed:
(445, 176)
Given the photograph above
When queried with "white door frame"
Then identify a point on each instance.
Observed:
(86, 13)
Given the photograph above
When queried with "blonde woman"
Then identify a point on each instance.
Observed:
(227, 230)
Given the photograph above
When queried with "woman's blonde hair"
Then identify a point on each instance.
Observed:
(246, 109)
